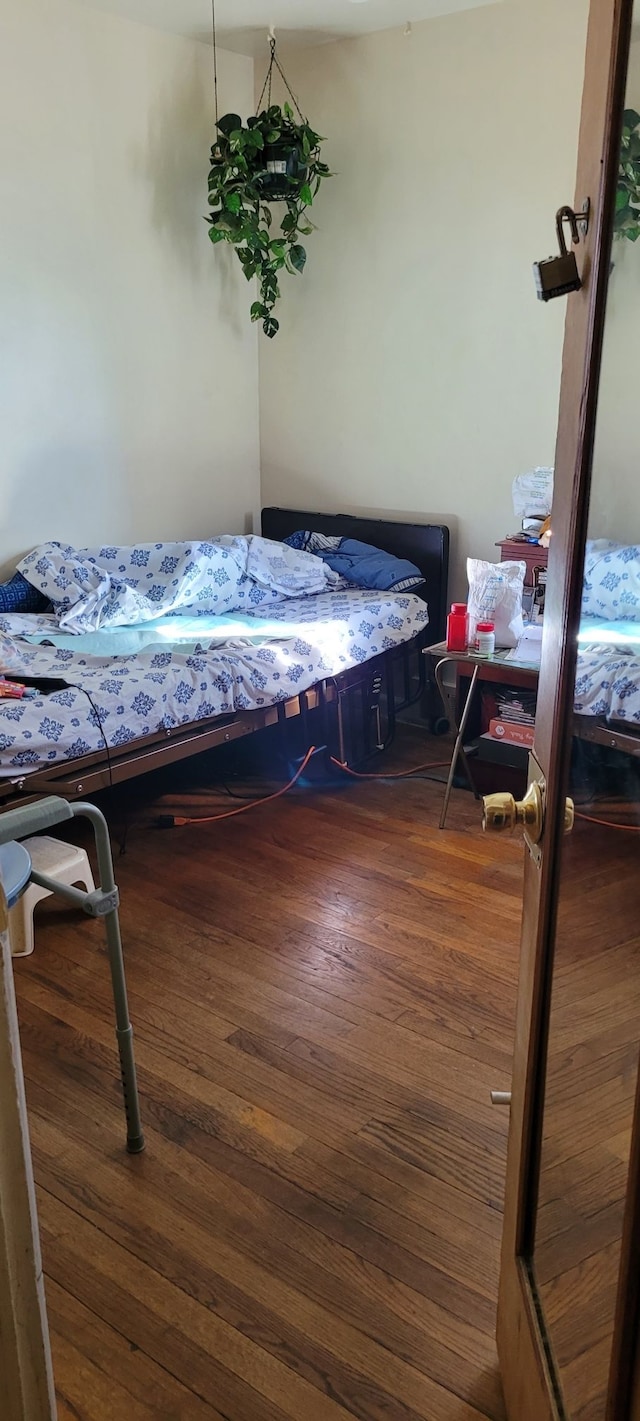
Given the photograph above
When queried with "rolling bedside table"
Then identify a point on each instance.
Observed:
(483, 669)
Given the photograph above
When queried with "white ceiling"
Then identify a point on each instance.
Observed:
(243, 24)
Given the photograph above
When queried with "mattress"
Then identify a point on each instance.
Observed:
(120, 689)
(608, 673)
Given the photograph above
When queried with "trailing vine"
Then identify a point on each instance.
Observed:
(271, 158)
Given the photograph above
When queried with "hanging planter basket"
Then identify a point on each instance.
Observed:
(284, 170)
(273, 158)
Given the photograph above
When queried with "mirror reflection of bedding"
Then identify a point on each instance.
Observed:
(608, 675)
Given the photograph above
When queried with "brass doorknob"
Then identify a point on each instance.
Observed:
(502, 813)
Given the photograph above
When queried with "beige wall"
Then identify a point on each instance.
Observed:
(415, 371)
(615, 499)
(128, 365)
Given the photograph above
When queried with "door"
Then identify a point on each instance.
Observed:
(568, 1267)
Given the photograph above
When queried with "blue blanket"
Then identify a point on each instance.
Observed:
(360, 563)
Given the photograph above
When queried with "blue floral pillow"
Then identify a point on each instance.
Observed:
(612, 581)
(17, 595)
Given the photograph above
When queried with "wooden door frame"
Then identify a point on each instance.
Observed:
(26, 1376)
(527, 1367)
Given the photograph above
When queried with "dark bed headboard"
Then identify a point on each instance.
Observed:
(425, 544)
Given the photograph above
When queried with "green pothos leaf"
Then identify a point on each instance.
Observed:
(241, 212)
(298, 257)
(230, 123)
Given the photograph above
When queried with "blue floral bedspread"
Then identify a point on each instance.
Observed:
(118, 699)
(93, 588)
(608, 674)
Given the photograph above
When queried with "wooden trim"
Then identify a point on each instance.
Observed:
(609, 34)
(527, 1380)
(26, 1376)
(598, 165)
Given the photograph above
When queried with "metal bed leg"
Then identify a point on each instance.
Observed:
(341, 737)
(304, 717)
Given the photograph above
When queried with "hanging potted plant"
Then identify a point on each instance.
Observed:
(283, 165)
(274, 157)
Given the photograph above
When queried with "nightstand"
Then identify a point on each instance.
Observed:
(480, 669)
(530, 553)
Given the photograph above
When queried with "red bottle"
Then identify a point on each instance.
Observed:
(458, 627)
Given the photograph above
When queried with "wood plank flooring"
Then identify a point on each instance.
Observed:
(323, 994)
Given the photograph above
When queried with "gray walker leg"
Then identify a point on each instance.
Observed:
(103, 903)
(124, 1029)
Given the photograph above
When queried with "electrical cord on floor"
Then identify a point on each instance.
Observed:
(393, 774)
(608, 823)
(235, 794)
(175, 821)
(439, 764)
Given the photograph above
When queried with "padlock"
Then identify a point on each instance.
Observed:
(557, 276)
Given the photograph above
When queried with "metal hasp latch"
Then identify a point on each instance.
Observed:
(558, 276)
(502, 813)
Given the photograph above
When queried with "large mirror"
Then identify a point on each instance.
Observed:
(594, 1023)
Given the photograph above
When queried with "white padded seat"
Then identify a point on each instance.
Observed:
(58, 860)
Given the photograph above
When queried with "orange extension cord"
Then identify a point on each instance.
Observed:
(394, 775)
(439, 764)
(179, 820)
(608, 823)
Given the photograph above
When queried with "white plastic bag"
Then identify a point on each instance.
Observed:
(495, 595)
(533, 493)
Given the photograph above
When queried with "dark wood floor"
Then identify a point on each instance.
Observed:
(323, 994)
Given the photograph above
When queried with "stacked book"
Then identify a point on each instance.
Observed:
(515, 717)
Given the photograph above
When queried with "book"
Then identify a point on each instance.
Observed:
(515, 706)
(515, 733)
